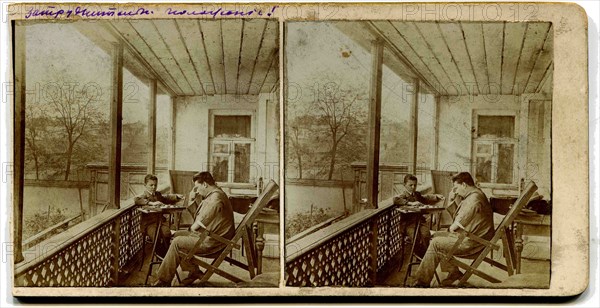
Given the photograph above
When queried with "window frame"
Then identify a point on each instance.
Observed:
(232, 141)
(495, 144)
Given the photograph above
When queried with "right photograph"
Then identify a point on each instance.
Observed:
(418, 154)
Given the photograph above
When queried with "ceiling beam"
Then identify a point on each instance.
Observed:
(119, 36)
(400, 57)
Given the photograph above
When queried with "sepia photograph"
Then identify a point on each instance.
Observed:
(416, 144)
(242, 152)
(149, 153)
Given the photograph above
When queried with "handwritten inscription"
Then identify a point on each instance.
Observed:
(221, 12)
(84, 12)
(79, 11)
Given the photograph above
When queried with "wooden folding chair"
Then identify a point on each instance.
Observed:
(441, 183)
(243, 232)
(503, 231)
(181, 183)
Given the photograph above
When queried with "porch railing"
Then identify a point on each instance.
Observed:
(351, 252)
(92, 253)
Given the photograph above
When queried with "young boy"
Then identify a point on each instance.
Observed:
(148, 223)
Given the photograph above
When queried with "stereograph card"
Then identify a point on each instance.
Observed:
(271, 149)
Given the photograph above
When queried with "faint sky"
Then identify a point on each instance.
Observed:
(317, 50)
(59, 49)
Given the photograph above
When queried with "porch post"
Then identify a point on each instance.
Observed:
(414, 125)
(374, 124)
(436, 133)
(173, 132)
(116, 121)
(152, 128)
(373, 151)
(19, 138)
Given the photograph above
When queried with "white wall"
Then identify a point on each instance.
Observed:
(192, 130)
(456, 126)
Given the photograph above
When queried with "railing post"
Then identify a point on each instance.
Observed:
(116, 250)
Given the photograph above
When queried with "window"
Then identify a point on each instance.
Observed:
(495, 148)
(231, 146)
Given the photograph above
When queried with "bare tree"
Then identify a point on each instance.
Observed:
(338, 110)
(75, 111)
(298, 132)
(297, 148)
(36, 125)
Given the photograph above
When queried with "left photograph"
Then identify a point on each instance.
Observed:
(146, 153)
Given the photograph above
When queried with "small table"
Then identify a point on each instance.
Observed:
(168, 209)
(537, 222)
(266, 218)
(417, 210)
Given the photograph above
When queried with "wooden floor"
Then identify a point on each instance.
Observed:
(535, 270)
(269, 278)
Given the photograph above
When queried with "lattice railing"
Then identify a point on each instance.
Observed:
(85, 254)
(342, 254)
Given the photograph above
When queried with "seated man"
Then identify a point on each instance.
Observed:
(148, 223)
(410, 196)
(214, 214)
(473, 214)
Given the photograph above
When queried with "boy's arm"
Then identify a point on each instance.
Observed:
(141, 200)
(169, 198)
(430, 199)
(401, 199)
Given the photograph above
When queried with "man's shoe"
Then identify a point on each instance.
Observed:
(193, 276)
(160, 283)
(415, 283)
(452, 277)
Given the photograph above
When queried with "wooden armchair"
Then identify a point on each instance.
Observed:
(243, 232)
(503, 232)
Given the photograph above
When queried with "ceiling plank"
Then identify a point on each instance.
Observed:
(148, 31)
(454, 37)
(437, 43)
(545, 85)
(544, 59)
(137, 43)
(253, 34)
(415, 39)
(232, 41)
(272, 78)
(514, 34)
(534, 41)
(169, 33)
(269, 48)
(190, 31)
(493, 34)
(403, 50)
(213, 41)
(473, 33)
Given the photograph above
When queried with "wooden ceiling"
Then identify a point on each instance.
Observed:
(198, 57)
(464, 58)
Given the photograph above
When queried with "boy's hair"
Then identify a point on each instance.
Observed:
(204, 177)
(464, 177)
(409, 177)
(149, 177)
